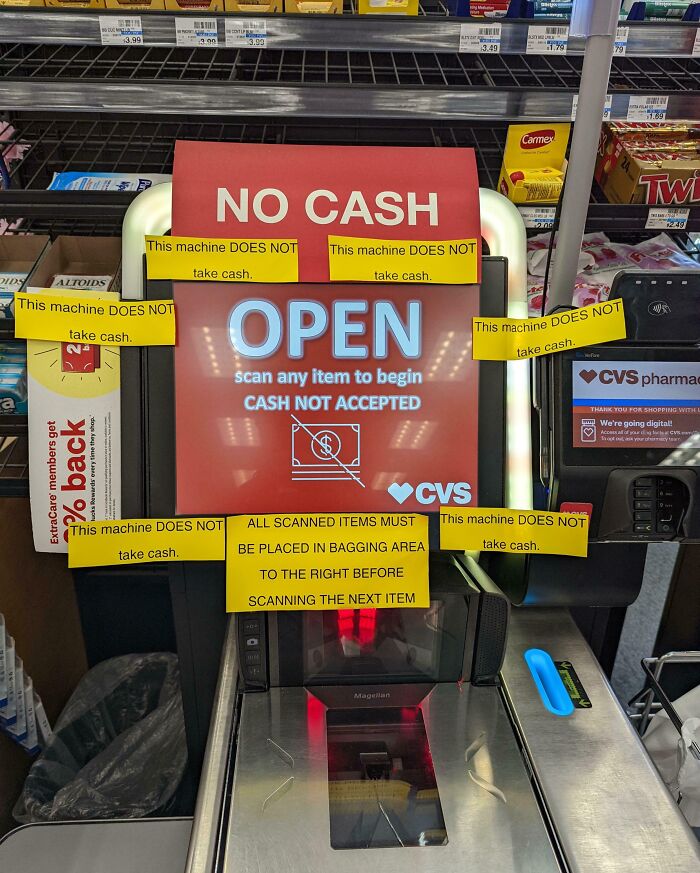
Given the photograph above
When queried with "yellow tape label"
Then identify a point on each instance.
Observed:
(222, 260)
(344, 561)
(514, 530)
(444, 262)
(505, 339)
(141, 540)
(47, 316)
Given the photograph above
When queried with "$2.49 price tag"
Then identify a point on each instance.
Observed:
(118, 30)
(246, 33)
(667, 219)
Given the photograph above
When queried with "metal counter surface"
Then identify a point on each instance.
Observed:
(126, 846)
(611, 810)
(280, 812)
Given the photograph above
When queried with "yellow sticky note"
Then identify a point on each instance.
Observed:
(521, 531)
(442, 262)
(142, 540)
(317, 561)
(505, 339)
(71, 319)
(222, 260)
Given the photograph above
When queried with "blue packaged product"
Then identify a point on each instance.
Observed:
(106, 181)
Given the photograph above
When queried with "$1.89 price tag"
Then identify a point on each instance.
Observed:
(118, 30)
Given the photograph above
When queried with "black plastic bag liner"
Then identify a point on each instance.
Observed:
(118, 749)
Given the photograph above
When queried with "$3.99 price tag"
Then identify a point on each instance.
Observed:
(118, 30)
(196, 33)
(246, 33)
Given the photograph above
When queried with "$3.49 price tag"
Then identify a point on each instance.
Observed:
(246, 33)
(118, 30)
(546, 40)
(482, 39)
(193, 33)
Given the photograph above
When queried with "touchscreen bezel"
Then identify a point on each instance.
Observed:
(609, 456)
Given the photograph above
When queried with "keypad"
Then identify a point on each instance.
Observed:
(658, 505)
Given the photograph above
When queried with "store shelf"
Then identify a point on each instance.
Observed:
(14, 459)
(329, 84)
(433, 30)
(129, 145)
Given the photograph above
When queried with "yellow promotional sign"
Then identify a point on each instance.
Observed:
(140, 540)
(505, 339)
(222, 260)
(442, 262)
(48, 316)
(340, 561)
(522, 531)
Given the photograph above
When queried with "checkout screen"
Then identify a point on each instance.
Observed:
(635, 404)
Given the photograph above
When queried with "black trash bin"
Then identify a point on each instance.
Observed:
(118, 749)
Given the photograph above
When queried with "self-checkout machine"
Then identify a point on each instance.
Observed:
(353, 737)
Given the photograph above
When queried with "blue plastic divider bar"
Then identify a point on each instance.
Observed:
(549, 683)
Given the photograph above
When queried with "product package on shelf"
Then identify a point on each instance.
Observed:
(479, 8)
(322, 7)
(73, 400)
(658, 10)
(22, 716)
(388, 7)
(136, 5)
(254, 8)
(18, 255)
(197, 6)
(534, 162)
(79, 181)
(77, 4)
(641, 162)
(13, 379)
(22, 3)
(599, 261)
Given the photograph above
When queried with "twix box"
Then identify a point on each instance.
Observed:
(534, 162)
(650, 163)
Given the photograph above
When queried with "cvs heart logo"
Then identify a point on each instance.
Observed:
(400, 493)
(429, 492)
(588, 375)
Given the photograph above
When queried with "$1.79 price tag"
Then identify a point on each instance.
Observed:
(118, 30)
(546, 40)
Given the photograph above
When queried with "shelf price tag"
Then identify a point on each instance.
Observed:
(246, 33)
(484, 39)
(696, 44)
(621, 37)
(538, 217)
(517, 531)
(607, 109)
(546, 40)
(196, 32)
(118, 30)
(320, 561)
(647, 107)
(667, 219)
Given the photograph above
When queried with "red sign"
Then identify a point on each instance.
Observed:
(233, 190)
(325, 398)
